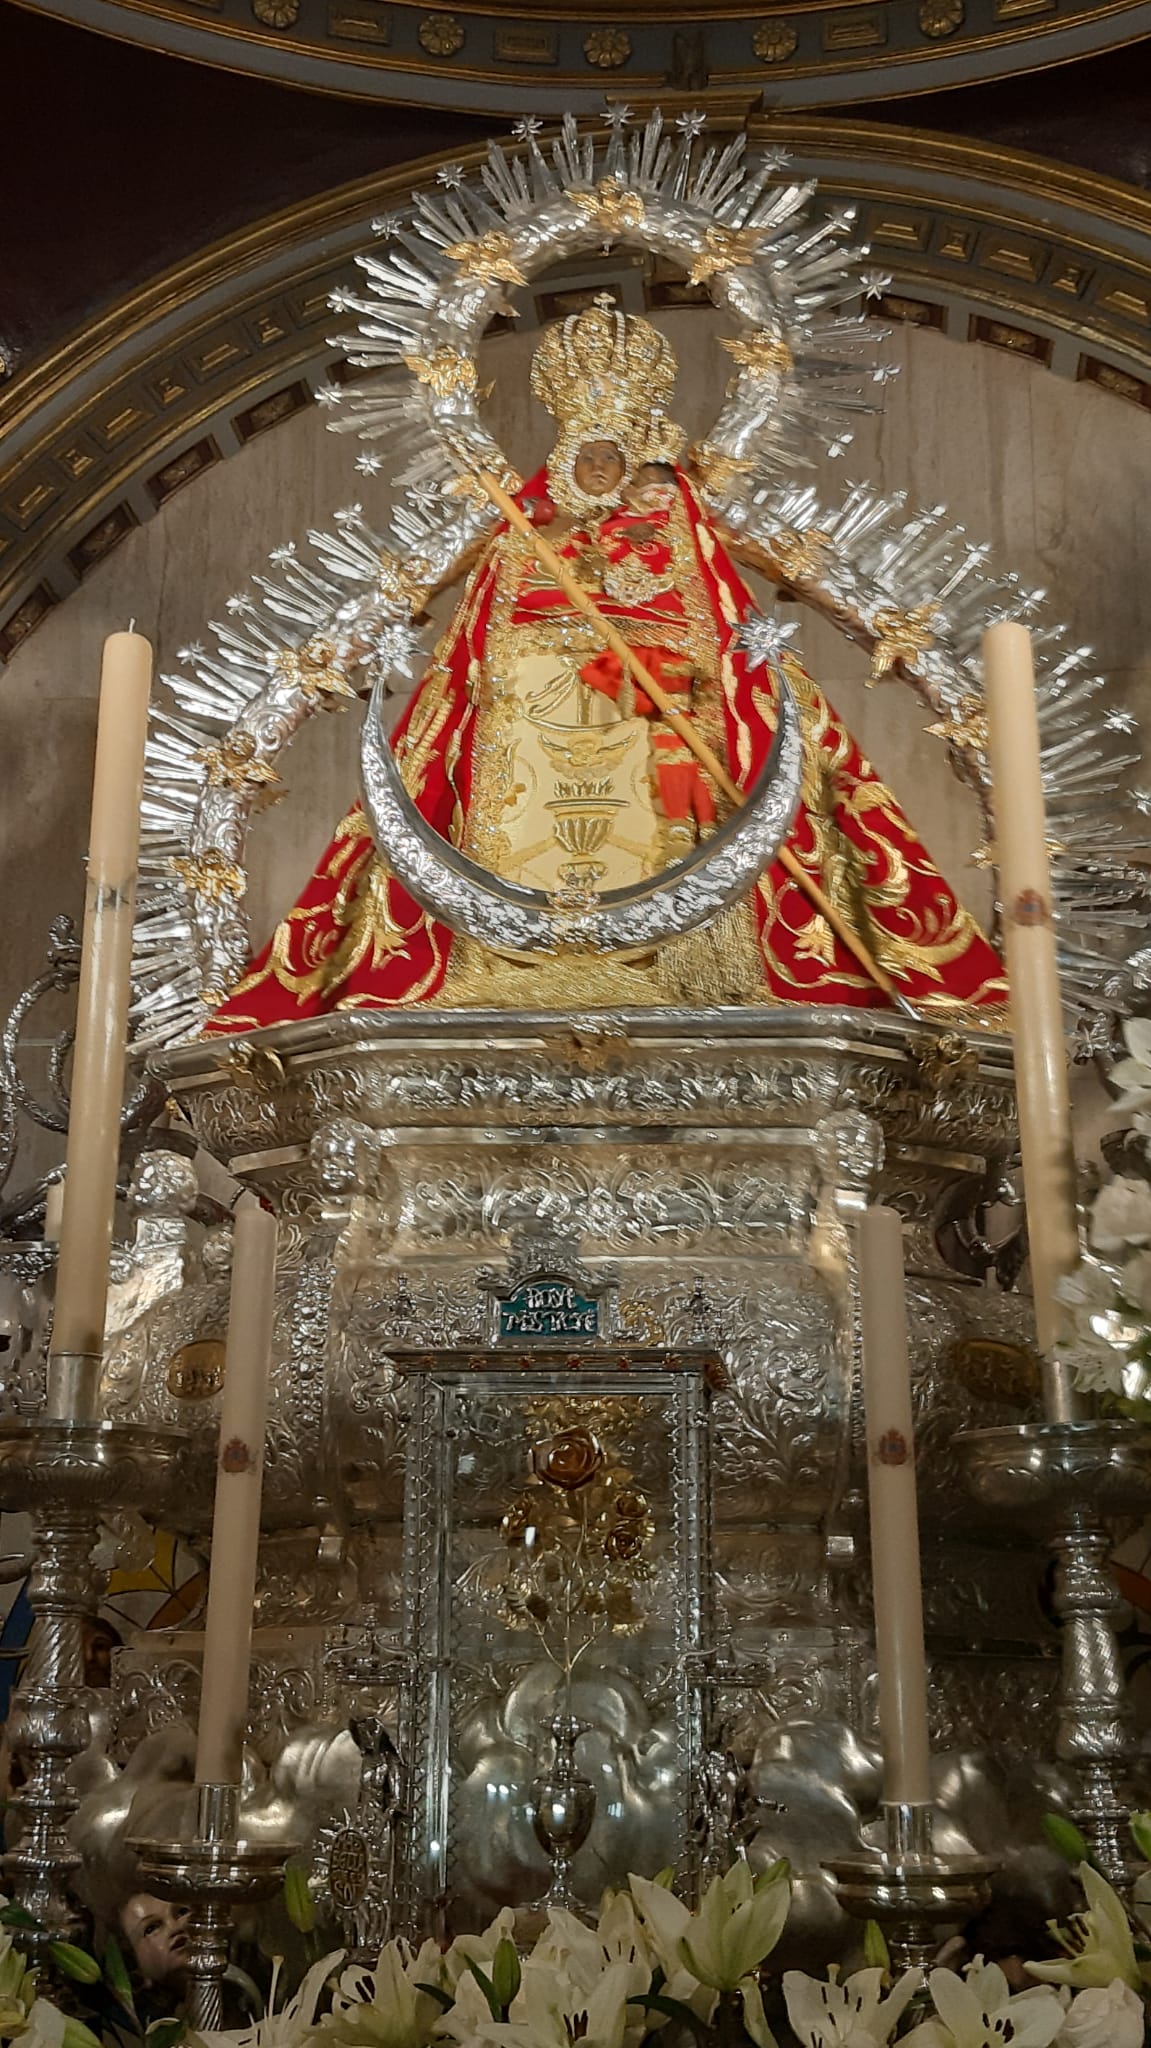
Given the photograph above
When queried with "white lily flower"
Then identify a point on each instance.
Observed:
(1099, 1944)
(288, 2028)
(384, 2007)
(1111, 2017)
(979, 2011)
(666, 1920)
(551, 2012)
(1121, 1214)
(854, 2014)
(738, 1924)
(469, 1948)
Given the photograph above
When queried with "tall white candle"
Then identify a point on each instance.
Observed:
(101, 1031)
(1041, 1078)
(239, 1485)
(898, 1592)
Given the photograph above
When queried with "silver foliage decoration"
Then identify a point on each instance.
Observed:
(908, 581)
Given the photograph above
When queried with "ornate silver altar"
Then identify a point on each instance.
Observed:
(570, 1213)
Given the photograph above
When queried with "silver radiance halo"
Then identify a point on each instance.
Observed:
(910, 586)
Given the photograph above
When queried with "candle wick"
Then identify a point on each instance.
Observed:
(131, 625)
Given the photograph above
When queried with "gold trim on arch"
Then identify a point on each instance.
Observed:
(247, 280)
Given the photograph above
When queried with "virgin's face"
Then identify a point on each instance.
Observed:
(598, 468)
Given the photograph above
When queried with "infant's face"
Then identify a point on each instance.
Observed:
(652, 494)
(157, 1933)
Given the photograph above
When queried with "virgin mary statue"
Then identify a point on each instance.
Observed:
(528, 747)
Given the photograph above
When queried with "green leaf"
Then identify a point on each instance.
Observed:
(165, 2033)
(18, 1916)
(77, 2035)
(487, 1987)
(299, 1904)
(1064, 1836)
(505, 1974)
(442, 1998)
(116, 1974)
(665, 1877)
(773, 1874)
(1141, 1834)
(876, 1953)
(675, 2009)
(74, 1962)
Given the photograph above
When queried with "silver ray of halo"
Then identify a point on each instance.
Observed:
(192, 941)
(478, 904)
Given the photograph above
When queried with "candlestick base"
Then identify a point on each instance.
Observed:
(63, 1473)
(914, 1893)
(211, 1875)
(1067, 1479)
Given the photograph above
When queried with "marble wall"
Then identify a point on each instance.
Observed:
(1053, 474)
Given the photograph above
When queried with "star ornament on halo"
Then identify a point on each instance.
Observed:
(762, 639)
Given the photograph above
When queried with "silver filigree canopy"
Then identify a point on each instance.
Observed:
(911, 586)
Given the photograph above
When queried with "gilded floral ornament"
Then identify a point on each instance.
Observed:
(402, 586)
(234, 765)
(607, 47)
(488, 257)
(316, 669)
(964, 727)
(939, 18)
(761, 351)
(276, 13)
(775, 41)
(724, 249)
(441, 35)
(717, 469)
(800, 551)
(611, 205)
(445, 371)
(210, 873)
(900, 636)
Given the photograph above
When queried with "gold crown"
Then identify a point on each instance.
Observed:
(607, 376)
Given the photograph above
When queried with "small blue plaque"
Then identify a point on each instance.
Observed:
(547, 1312)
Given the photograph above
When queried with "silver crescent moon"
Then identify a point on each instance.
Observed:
(477, 904)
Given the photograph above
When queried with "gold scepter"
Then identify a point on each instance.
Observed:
(557, 568)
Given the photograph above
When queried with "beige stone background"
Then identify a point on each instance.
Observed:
(1053, 474)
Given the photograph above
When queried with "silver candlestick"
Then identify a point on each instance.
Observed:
(913, 1891)
(1068, 1479)
(63, 1473)
(212, 1874)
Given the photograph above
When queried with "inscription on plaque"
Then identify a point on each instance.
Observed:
(547, 1312)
